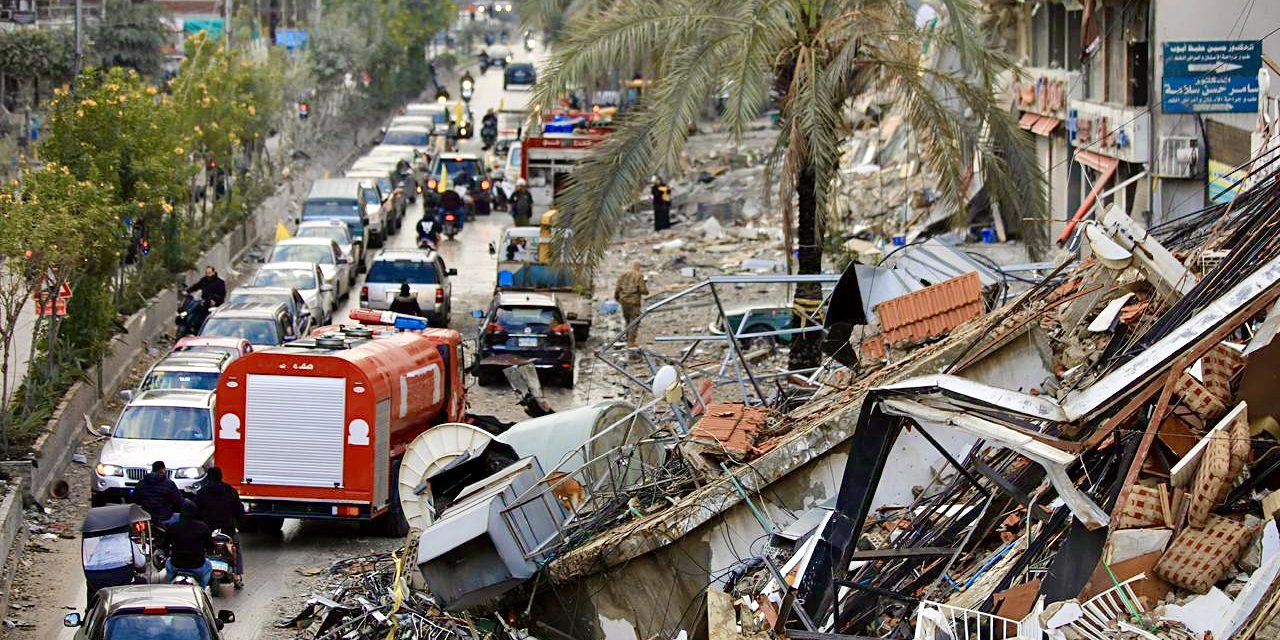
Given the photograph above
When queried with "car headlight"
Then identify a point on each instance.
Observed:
(189, 473)
(107, 470)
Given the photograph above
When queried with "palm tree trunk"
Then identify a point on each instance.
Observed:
(806, 349)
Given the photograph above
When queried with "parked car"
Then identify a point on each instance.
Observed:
(511, 169)
(499, 55)
(173, 425)
(438, 113)
(455, 165)
(525, 327)
(343, 199)
(428, 279)
(339, 232)
(262, 324)
(307, 278)
(375, 192)
(519, 74)
(336, 268)
(197, 370)
(168, 611)
(416, 138)
(755, 319)
(300, 314)
(235, 347)
(392, 186)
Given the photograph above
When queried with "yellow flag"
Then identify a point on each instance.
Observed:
(457, 112)
(443, 185)
(501, 102)
(282, 232)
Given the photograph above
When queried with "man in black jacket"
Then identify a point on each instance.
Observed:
(219, 507)
(213, 289)
(158, 494)
(190, 541)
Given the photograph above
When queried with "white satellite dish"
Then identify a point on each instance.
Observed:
(1108, 251)
(666, 383)
(428, 453)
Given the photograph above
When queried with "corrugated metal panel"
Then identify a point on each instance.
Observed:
(931, 311)
(381, 453)
(294, 430)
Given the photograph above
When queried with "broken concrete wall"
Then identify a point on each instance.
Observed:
(1021, 364)
(652, 594)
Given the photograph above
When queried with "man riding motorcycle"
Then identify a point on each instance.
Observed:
(219, 506)
(489, 129)
(451, 206)
(159, 495)
(190, 540)
(428, 231)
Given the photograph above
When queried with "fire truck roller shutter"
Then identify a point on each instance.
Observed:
(382, 455)
(290, 438)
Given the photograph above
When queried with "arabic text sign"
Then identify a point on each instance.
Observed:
(1211, 76)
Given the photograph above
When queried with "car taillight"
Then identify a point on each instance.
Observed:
(155, 611)
(364, 293)
(348, 511)
(449, 217)
(485, 185)
(431, 184)
(439, 295)
(561, 330)
(494, 327)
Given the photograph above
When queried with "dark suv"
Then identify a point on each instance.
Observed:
(525, 327)
(519, 73)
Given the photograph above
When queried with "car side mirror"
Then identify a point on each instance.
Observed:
(226, 616)
(326, 288)
(477, 314)
(452, 272)
(493, 251)
(71, 620)
(344, 260)
(125, 395)
(104, 429)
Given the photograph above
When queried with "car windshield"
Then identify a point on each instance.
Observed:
(516, 319)
(371, 195)
(407, 138)
(312, 253)
(384, 184)
(521, 69)
(164, 423)
(322, 209)
(269, 298)
(202, 380)
(300, 279)
(334, 233)
(173, 626)
(455, 166)
(412, 271)
(255, 330)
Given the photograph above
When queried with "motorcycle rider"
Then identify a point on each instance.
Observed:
(489, 129)
(405, 302)
(429, 229)
(190, 541)
(158, 495)
(521, 204)
(212, 288)
(218, 505)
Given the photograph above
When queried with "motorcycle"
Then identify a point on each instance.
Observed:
(528, 44)
(223, 560)
(489, 135)
(479, 194)
(190, 316)
(450, 226)
(468, 89)
(427, 235)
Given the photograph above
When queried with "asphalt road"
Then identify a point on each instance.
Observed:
(276, 564)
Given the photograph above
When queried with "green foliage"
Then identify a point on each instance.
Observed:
(130, 35)
(223, 100)
(38, 53)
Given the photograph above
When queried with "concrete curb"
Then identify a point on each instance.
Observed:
(12, 540)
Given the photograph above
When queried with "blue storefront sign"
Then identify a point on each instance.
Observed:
(1214, 76)
(291, 39)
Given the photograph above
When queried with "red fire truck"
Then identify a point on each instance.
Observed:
(316, 428)
(545, 161)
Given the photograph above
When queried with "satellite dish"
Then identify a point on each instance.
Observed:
(666, 384)
(431, 451)
(1108, 251)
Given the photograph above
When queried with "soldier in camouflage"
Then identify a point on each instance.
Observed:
(630, 293)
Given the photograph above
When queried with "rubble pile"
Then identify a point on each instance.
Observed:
(371, 597)
(1128, 491)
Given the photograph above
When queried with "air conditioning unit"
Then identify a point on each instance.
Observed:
(6, 15)
(1179, 157)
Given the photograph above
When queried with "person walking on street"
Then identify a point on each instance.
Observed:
(406, 302)
(212, 288)
(629, 293)
(158, 494)
(218, 505)
(661, 204)
(521, 204)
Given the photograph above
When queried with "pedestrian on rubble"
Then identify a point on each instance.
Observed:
(630, 293)
(661, 193)
(521, 204)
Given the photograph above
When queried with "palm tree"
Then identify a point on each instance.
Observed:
(811, 56)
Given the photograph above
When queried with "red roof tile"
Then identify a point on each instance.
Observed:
(931, 311)
(730, 425)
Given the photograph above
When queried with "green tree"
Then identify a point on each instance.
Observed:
(811, 56)
(32, 55)
(132, 35)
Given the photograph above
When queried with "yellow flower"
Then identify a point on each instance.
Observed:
(79, 113)
(151, 91)
(252, 111)
(168, 208)
(198, 130)
(179, 151)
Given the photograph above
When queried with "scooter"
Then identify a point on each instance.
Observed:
(468, 89)
(190, 316)
(450, 226)
(223, 559)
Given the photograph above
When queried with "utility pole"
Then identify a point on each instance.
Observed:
(79, 39)
(227, 26)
